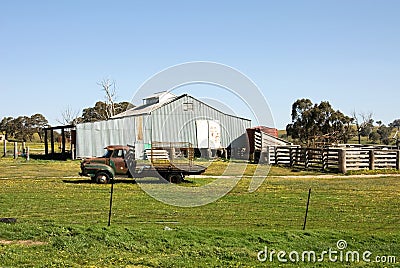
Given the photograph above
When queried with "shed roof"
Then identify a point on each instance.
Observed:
(160, 94)
(149, 108)
(146, 108)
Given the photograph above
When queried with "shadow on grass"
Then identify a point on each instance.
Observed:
(89, 181)
(78, 181)
(127, 181)
(54, 156)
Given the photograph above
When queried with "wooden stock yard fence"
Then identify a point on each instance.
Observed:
(339, 159)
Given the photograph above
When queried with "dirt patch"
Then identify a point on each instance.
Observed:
(22, 242)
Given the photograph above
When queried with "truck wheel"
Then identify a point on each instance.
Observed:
(174, 178)
(102, 178)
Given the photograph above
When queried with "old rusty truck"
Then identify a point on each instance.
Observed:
(119, 161)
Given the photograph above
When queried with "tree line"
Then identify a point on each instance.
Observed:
(319, 124)
(24, 128)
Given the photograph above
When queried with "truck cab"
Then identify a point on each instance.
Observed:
(112, 163)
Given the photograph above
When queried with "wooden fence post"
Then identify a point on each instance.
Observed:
(276, 155)
(27, 153)
(342, 161)
(398, 160)
(324, 155)
(292, 156)
(15, 150)
(371, 159)
(5, 148)
(306, 158)
(268, 160)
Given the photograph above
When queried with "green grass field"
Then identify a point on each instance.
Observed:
(62, 220)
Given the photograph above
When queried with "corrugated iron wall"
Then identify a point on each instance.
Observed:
(176, 121)
(91, 138)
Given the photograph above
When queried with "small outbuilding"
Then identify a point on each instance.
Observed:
(261, 140)
(167, 118)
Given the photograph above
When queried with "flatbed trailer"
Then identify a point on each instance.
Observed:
(171, 171)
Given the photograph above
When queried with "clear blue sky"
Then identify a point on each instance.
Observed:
(52, 53)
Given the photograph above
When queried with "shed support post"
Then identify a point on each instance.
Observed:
(46, 144)
(15, 150)
(5, 148)
(342, 161)
(72, 152)
(52, 142)
(371, 160)
(63, 143)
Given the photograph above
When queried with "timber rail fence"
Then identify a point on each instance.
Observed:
(339, 159)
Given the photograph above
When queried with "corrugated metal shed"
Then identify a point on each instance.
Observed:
(177, 119)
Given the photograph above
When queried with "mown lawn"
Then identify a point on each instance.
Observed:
(68, 214)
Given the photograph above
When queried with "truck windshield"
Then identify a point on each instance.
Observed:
(108, 154)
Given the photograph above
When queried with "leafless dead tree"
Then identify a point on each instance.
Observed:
(68, 117)
(356, 121)
(109, 89)
(365, 125)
